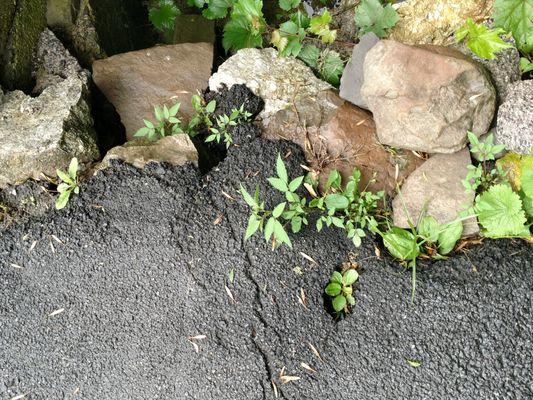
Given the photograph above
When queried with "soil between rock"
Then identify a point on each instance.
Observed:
(143, 266)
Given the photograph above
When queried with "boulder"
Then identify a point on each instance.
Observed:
(436, 186)
(43, 133)
(435, 21)
(137, 81)
(515, 118)
(279, 81)
(21, 23)
(427, 105)
(352, 77)
(343, 138)
(170, 150)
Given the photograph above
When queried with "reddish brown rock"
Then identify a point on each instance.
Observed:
(135, 82)
(342, 138)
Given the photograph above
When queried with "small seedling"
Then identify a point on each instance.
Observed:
(225, 122)
(340, 288)
(203, 114)
(69, 184)
(167, 124)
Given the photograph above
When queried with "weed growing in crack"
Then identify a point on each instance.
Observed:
(167, 123)
(225, 122)
(69, 184)
(340, 289)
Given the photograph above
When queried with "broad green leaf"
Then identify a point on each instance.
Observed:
(401, 244)
(278, 210)
(309, 55)
(333, 289)
(500, 212)
(339, 303)
(217, 9)
(526, 65)
(210, 107)
(526, 177)
(516, 16)
(296, 224)
(288, 4)
(319, 25)
(142, 132)
(253, 226)
(372, 16)
(483, 42)
(281, 170)
(350, 277)
(337, 201)
(295, 183)
(429, 229)
(334, 180)
(449, 235)
(164, 15)
(336, 276)
(239, 34)
(174, 109)
(278, 184)
(148, 124)
(332, 67)
(62, 200)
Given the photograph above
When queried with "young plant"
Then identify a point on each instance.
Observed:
(340, 288)
(69, 184)
(202, 115)
(372, 16)
(167, 124)
(480, 176)
(483, 42)
(225, 122)
(162, 15)
(327, 63)
(346, 208)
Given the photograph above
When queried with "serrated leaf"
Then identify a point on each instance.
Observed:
(217, 9)
(280, 233)
(281, 170)
(278, 184)
(483, 42)
(278, 210)
(295, 183)
(516, 16)
(239, 34)
(372, 16)
(331, 67)
(164, 15)
(499, 211)
(309, 55)
(247, 197)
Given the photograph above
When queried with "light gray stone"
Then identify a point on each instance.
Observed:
(515, 118)
(352, 77)
(437, 185)
(426, 97)
(43, 133)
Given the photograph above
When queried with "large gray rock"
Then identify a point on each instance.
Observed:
(515, 118)
(426, 98)
(437, 185)
(43, 133)
(352, 77)
(279, 81)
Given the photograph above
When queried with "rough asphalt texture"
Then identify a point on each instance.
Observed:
(142, 266)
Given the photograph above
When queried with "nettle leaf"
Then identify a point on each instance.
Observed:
(339, 303)
(333, 289)
(449, 235)
(288, 4)
(499, 211)
(240, 34)
(372, 16)
(331, 67)
(516, 16)
(483, 42)
(164, 15)
(350, 277)
(217, 8)
(401, 243)
(337, 201)
(309, 55)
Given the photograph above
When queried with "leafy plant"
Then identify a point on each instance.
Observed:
(68, 185)
(223, 124)
(163, 16)
(516, 16)
(349, 208)
(372, 16)
(202, 114)
(340, 288)
(167, 123)
(500, 212)
(526, 65)
(246, 25)
(479, 176)
(483, 42)
(327, 63)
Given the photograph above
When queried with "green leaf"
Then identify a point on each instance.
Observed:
(174, 110)
(210, 107)
(63, 187)
(331, 67)
(295, 183)
(351, 300)
(336, 277)
(278, 184)
(280, 234)
(281, 170)
(516, 16)
(449, 235)
(148, 124)
(483, 42)
(525, 65)
(333, 289)
(500, 212)
(73, 168)
(429, 229)
(164, 15)
(253, 226)
(269, 228)
(239, 34)
(526, 177)
(217, 9)
(401, 244)
(62, 200)
(64, 177)
(288, 4)
(247, 197)
(350, 277)
(278, 210)
(337, 201)
(339, 303)
(319, 25)
(142, 132)
(414, 363)
(296, 224)
(309, 55)
(372, 16)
